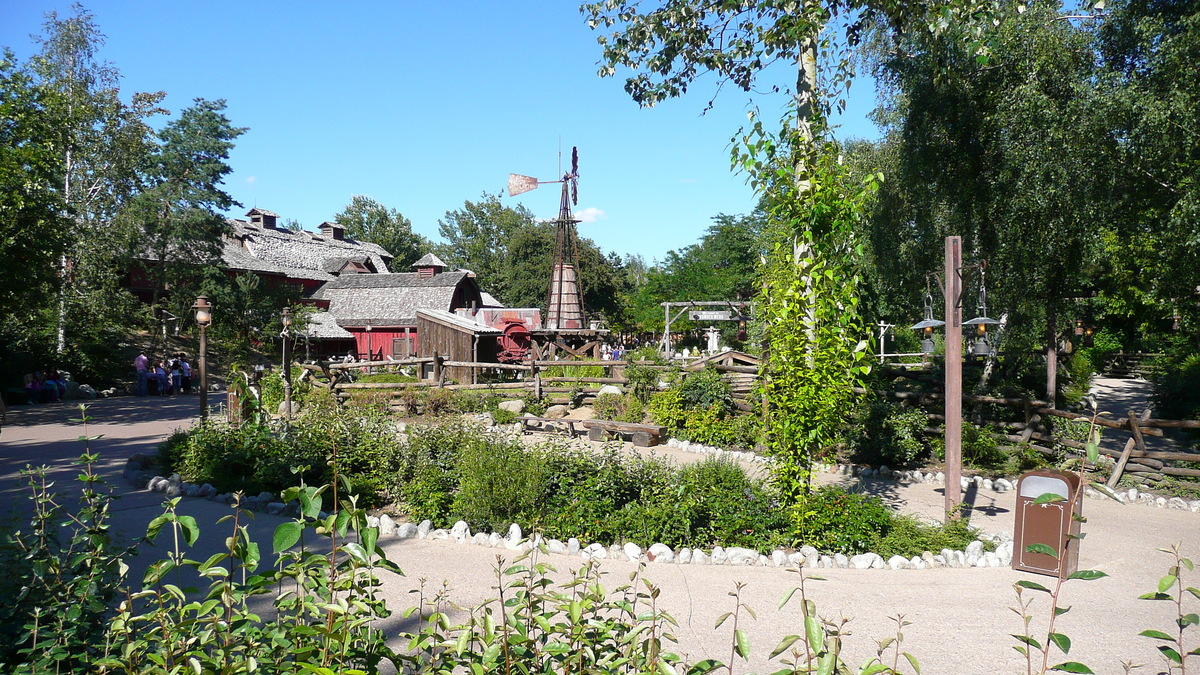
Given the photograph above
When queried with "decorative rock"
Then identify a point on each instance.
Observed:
(276, 508)
(975, 547)
(516, 407)
(808, 551)
(1194, 506)
(440, 534)
(987, 484)
(877, 562)
(685, 556)
(372, 521)
(779, 558)
(811, 560)
(609, 389)
(937, 562)
(826, 562)
(1132, 495)
(556, 546)
(460, 532)
(940, 477)
(573, 547)
(737, 555)
(897, 563)
(387, 525)
(616, 552)
(424, 528)
(763, 560)
(917, 562)
(512, 541)
(972, 560)
(495, 540)
(795, 559)
(480, 539)
(557, 412)
(841, 560)
(661, 553)
(632, 551)
(699, 557)
(861, 561)
(595, 551)
(171, 490)
(884, 471)
(718, 555)
(992, 559)
(1160, 502)
(1177, 503)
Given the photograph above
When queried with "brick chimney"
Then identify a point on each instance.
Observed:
(333, 230)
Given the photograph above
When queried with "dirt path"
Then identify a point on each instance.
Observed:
(960, 617)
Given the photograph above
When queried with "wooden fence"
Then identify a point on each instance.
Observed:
(533, 379)
(1141, 464)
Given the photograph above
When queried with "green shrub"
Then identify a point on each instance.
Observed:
(642, 381)
(706, 389)
(837, 521)
(504, 416)
(171, 450)
(393, 378)
(666, 409)
(888, 433)
(906, 536)
(619, 408)
(499, 482)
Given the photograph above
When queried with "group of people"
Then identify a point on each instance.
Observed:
(44, 387)
(165, 377)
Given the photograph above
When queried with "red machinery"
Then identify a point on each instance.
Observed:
(515, 342)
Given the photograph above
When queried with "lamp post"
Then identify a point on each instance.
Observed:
(952, 291)
(286, 317)
(203, 313)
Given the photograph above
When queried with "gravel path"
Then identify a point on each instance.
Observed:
(960, 617)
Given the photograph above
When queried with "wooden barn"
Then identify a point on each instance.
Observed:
(380, 310)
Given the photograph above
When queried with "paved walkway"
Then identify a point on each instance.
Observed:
(960, 617)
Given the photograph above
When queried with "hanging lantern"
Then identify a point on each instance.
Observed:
(982, 347)
(927, 325)
(1079, 326)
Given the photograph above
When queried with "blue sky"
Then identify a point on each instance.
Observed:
(423, 105)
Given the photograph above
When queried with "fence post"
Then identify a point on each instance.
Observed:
(1135, 439)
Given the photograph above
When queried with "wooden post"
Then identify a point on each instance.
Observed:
(953, 292)
(437, 368)
(1051, 360)
(1135, 440)
(537, 380)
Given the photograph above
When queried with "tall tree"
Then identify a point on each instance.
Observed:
(478, 236)
(33, 232)
(367, 220)
(180, 211)
(102, 144)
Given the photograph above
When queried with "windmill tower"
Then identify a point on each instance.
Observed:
(564, 304)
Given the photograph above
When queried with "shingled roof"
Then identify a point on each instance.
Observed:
(296, 253)
(392, 299)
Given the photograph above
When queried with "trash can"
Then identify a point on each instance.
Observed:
(1048, 523)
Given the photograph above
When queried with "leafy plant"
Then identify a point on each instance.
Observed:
(1172, 643)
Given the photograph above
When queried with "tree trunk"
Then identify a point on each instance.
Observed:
(1051, 359)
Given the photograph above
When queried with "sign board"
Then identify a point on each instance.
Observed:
(711, 315)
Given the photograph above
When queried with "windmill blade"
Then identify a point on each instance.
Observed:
(574, 160)
(574, 192)
(518, 184)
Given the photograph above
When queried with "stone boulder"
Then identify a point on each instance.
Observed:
(516, 406)
(609, 389)
(557, 412)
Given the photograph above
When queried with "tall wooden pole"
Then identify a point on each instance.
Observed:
(953, 292)
(202, 366)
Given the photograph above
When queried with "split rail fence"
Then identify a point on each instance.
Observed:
(1136, 460)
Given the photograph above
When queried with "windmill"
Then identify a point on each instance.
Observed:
(564, 305)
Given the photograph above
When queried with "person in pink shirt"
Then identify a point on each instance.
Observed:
(142, 365)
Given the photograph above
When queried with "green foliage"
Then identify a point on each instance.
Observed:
(906, 534)
(887, 433)
(498, 483)
(1177, 386)
(818, 342)
(1174, 644)
(706, 389)
(369, 221)
(837, 521)
(386, 377)
(980, 450)
(272, 389)
(641, 380)
(619, 407)
(666, 409)
(66, 570)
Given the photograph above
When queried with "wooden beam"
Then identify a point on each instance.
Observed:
(1134, 440)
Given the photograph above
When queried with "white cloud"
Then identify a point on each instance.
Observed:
(591, 214)
(251, 179)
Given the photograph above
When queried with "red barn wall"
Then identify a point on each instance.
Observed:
(381, 341)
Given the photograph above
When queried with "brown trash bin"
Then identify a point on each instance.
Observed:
(1048, 523)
